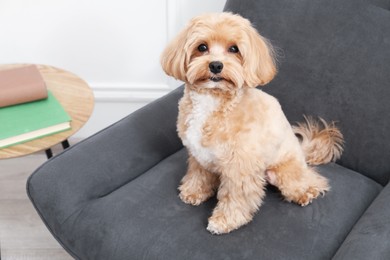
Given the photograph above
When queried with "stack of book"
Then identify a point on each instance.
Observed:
(27, 109)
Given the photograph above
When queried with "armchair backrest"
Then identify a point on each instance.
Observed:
(334, 62)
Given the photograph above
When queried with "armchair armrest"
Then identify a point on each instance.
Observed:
(370, 237)
(105, 161)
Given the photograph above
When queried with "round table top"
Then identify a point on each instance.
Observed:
(75, 96)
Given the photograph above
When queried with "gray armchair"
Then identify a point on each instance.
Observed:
(114, 195)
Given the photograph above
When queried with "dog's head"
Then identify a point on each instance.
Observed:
(220, 51)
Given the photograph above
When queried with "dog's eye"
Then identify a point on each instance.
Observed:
(233, 49)
(203, 47)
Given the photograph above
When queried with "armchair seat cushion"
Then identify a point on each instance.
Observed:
(145, 219)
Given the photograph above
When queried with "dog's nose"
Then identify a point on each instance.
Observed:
(216, 67)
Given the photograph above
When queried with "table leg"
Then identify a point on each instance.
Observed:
(65, 144)
(49, 153)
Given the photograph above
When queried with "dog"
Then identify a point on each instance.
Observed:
(237, 136)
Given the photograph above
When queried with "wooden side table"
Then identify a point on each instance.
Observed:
(75, 96)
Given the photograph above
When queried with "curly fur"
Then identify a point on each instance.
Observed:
(237, 136)
(321, 142)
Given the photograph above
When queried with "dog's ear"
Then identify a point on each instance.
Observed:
(259, 61)
(174, 57)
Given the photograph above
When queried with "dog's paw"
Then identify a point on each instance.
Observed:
(309, 195)
(194, 199)
(218, 225)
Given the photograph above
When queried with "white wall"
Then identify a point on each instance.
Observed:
(114, 45)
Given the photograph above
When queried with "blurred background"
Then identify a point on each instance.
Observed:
(114, 46)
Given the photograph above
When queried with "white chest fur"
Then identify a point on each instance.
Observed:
(202, 107)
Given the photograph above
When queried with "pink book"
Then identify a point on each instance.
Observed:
(21, 85)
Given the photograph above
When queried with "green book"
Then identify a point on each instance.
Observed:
(28, 121)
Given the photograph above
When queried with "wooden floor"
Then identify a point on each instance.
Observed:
(22, 233)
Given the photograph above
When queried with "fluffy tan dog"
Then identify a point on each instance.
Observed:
(237, 136)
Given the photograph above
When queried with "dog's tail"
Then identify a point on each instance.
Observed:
(321, 142)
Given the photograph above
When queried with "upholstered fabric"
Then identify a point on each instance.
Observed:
(334, 62)
(111, 158)
(381, 3)
(370, 237)
(144, 218)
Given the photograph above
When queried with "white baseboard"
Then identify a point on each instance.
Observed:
(137, 93)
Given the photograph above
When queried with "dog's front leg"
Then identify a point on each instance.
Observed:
(198, 184)
(239, 196)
